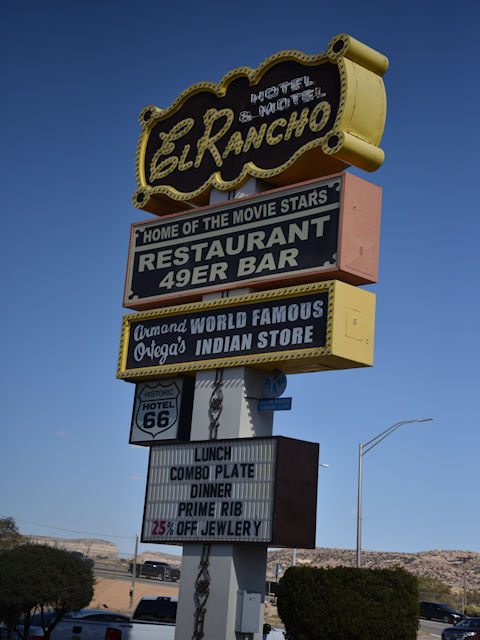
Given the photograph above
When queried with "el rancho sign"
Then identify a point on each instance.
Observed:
(295, 117)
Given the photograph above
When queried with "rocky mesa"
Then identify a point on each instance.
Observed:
(446, 566)
(450, 567)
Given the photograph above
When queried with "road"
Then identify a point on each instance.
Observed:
(432, 627)
(119, 574)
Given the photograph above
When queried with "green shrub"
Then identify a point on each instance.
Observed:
(344, 603)
(473, 597)
(472, 611)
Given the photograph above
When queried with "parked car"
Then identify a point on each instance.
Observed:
(439, 611)
(85, 614)
(171, 574)
(156, 570)
(153, 619)
(95, 615)
(469, 628)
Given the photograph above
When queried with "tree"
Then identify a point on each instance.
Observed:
(473, 597)
(34, 578)
(9, 534)
(431, 589)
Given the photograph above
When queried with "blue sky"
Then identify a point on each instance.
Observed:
(75, 77)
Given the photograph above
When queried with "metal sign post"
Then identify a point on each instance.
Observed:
(216, 573)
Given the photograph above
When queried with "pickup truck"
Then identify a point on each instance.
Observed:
(156, 570)
(153, 619)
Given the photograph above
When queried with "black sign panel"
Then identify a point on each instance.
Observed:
(253, 242)
(212, 133)
(249, 329)
(311, 327)
(296, 117)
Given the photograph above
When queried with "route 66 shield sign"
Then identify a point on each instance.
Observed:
(161, 411)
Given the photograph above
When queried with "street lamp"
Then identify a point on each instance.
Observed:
(464, 600)
(362, 450)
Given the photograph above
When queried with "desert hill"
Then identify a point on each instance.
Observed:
(447, 566)
(89, 547)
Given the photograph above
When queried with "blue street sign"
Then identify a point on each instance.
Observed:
(274, 404)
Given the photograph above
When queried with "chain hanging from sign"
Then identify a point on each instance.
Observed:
(202, 583)
(216, 404)
(202, 591)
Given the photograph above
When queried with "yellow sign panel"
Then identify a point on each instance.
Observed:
(313, 327)
(294, 118)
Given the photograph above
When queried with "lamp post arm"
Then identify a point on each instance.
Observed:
(362, 450)
(383, 435)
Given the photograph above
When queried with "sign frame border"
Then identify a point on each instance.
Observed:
(334, 355)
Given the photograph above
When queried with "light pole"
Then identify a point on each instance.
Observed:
(362, 450)
(134, 573)
(464, 599)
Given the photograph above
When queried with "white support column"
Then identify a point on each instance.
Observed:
(239, 417)
(231, 567)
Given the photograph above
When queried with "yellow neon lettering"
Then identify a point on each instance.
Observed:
(297, 125)
(325, 109)
(254, 137)
(164, 168)
(207, 142)
(182, 165)
(270, 138)
(176, 132)
(234, 144)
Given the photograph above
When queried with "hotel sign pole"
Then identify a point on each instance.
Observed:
(215, 574)
(199, 283)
